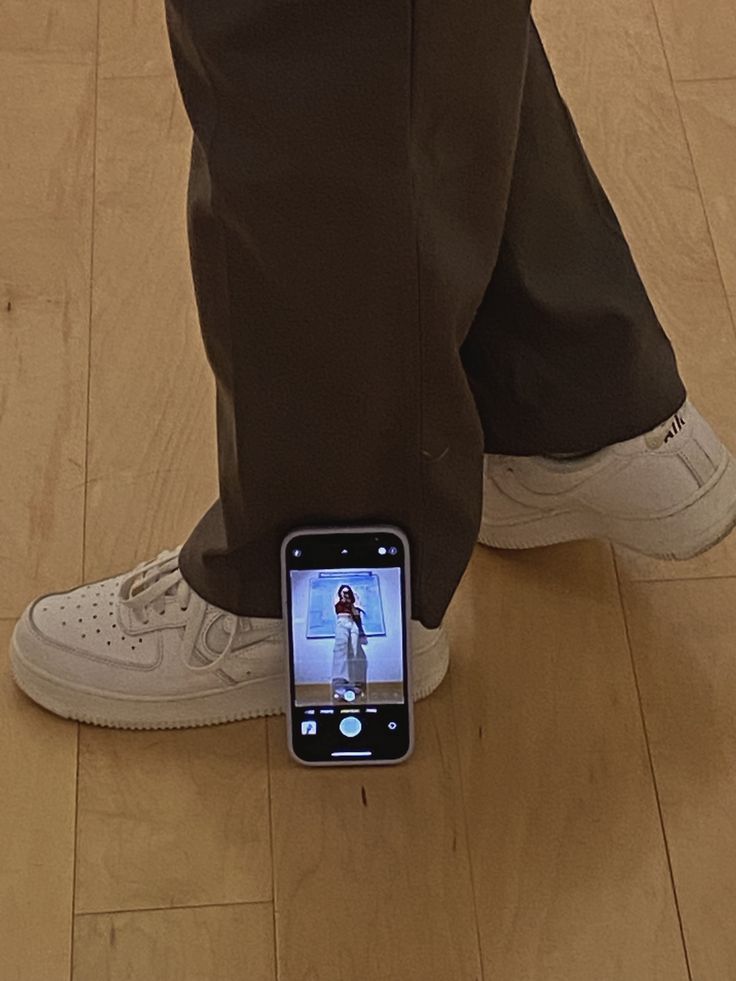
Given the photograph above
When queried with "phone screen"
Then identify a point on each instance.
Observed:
(346, 597)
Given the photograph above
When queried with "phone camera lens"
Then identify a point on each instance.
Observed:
(296, 551)
(393, 550)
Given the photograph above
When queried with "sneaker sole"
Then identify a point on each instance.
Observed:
(430, 662)
(682, 535)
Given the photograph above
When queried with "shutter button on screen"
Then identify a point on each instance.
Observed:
(350, 726)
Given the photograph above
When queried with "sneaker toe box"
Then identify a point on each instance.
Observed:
(63, 636)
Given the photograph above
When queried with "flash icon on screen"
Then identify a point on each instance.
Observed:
(309, 727)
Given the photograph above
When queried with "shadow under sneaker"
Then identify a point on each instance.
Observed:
(669, 493)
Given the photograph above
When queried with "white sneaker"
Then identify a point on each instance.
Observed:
(668, 493)
(144, 651)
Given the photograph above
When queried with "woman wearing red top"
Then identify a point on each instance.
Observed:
(349, 663)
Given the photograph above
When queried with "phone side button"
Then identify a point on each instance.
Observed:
(350, 726)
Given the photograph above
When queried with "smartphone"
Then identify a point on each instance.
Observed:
(347, 612)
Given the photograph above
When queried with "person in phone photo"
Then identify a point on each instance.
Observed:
(349, 662)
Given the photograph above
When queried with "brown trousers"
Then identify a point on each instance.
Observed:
(402, 259)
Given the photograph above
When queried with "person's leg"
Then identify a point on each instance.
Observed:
(357, 661)
(340, 654)
(566, 354)
(349, 177)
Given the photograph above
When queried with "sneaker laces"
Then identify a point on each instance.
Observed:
(153, 580)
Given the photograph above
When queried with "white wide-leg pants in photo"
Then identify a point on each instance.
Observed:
(349, 662)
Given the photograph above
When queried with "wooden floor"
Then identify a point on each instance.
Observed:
(568, 814)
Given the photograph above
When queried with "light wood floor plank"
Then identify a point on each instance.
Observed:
(216, 943)
(47, 96)
(172, 818)
(570, 869)
(38, 774)
(682, 635)
(700, 38)
(709, 111)
(133, 40)
(67, 28)
(47, 132)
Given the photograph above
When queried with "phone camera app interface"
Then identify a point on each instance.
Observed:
(347, 635)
